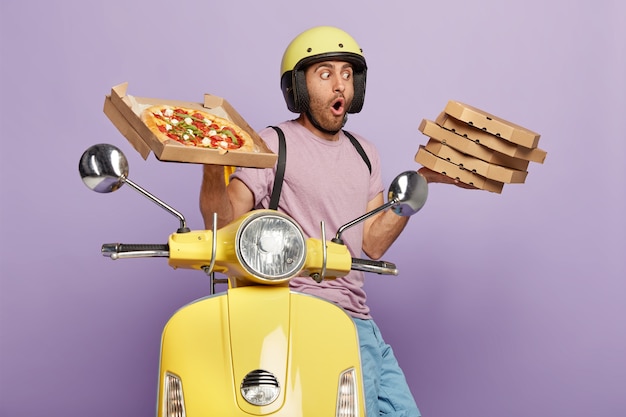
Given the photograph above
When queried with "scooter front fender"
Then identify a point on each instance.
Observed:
(305, 342)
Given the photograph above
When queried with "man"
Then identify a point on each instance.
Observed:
(323, 79)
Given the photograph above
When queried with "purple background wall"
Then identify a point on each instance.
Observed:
(507, 305)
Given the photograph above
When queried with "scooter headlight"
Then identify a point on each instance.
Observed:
(271, 246)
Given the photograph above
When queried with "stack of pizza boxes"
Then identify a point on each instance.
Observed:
(477, 148)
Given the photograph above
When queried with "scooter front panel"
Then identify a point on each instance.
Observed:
(325, 344)
(304, 341)
(195, 348)
(259, 322)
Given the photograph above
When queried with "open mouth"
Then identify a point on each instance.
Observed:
(337, 106)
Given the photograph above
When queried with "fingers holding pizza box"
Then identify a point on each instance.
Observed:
(433, 176)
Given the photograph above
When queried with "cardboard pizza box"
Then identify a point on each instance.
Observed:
(469, 147)
(490, 141)
(447, 168)
(124, 112)
(475, 165)
(492, 124)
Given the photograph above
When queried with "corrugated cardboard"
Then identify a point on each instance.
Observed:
(448, 169)
(124, 112)
(492, 124)
(125, 128)
(470, 147)
(475, 165)
(490, 141)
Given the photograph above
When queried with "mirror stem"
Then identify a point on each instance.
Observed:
(337, 238)
(183, 224)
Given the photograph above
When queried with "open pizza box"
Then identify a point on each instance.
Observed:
(124, 112)
(478, 148)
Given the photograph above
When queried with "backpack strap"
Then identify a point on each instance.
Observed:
(282, 161)
(280, 168)
(359, 149)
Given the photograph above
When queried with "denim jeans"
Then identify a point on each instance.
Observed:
(386, 390)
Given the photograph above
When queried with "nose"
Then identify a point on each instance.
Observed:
(340, 84)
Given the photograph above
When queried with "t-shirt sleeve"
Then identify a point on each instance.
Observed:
(260, 180)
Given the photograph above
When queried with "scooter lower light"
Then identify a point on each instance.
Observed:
(173, 401)
(347, 398)
(260, 387)
(260, 395)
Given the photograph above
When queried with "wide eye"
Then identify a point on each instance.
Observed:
(325, 75)
(346, 75)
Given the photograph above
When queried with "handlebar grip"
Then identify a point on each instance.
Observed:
(378, 267)
(135, 250)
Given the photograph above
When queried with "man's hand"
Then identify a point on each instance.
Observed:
(214, 196)
(435, 177)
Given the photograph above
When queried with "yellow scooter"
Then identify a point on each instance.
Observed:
(258, 348)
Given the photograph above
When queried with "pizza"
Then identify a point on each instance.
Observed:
(192, 127)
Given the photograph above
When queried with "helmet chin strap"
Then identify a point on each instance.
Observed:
(316, 124)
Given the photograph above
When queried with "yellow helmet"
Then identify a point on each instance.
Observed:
(317, 44)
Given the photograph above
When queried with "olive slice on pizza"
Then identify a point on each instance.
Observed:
(192, 127)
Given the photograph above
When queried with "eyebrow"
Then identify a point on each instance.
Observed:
(326, 64)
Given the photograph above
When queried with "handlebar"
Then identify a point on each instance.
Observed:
(135, 250)
(149, 250)
(378, 267)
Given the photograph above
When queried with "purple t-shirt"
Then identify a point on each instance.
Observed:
(324, 180)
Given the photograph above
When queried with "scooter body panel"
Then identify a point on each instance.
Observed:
(304, 341)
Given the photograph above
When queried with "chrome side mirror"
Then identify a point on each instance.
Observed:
(103, 168)
(409, 191)
(407, 195)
